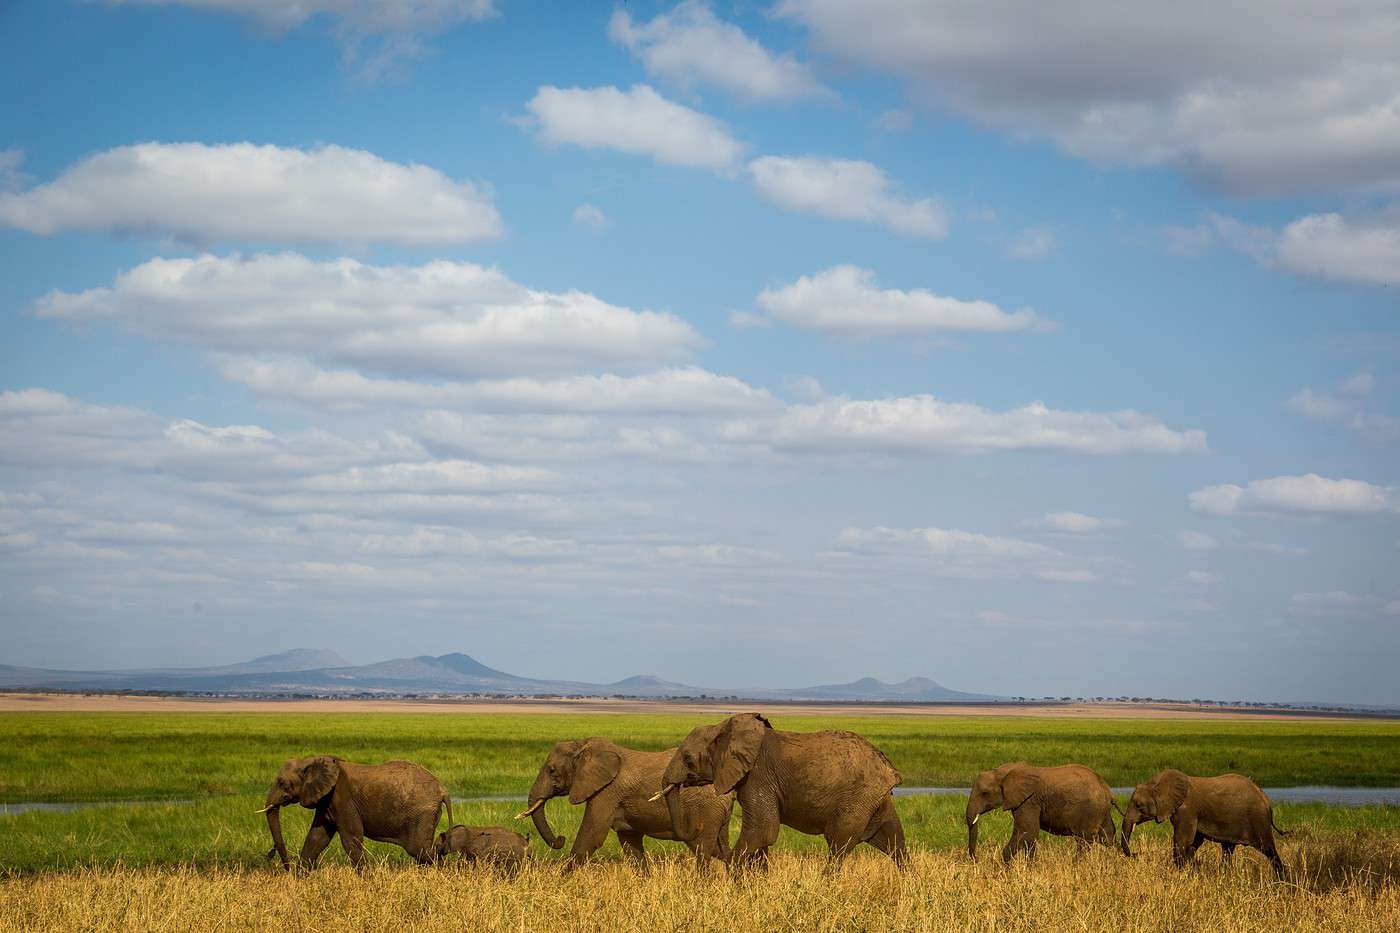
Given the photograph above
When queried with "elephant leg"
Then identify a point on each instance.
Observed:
(1184, 840)
(758, 832)
(888, 836)
(631, 842)
(1024, 832)
(317, 838)
(352, 837)
(1108, 833)
(1270, 851)
(592, 833)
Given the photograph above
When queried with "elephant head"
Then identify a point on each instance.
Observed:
(721, 755)
(306, 781)
(1155, 800)
(1007, 787)
(580, 769)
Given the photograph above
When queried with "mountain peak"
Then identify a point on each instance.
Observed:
(297, 659)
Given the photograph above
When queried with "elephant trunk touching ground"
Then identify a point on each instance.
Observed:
(973, 815)
(274, 826)
(1125, 836)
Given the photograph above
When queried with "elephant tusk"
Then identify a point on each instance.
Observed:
(662, 793)
(532, 808)
(975, 819)
(266, 808)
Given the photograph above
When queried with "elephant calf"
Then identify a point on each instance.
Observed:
(493, 844)
(1229, 809)
(1070, 800)
(396, 802)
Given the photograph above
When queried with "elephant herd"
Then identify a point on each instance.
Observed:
(830, 784)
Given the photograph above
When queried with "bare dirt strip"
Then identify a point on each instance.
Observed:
(105, 703)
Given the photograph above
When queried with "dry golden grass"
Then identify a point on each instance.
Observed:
(1340, 884)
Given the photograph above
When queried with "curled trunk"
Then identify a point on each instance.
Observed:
(543, 828)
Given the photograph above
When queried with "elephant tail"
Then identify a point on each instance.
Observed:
(1281, 832)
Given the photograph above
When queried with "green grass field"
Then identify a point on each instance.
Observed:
(215, 768)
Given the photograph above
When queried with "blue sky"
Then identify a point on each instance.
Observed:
(737, 343)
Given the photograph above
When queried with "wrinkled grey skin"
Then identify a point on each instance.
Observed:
(1229, 809)
(831, 784)
(1070, 800)
(396, 802)
(615, 785)
(494, 844)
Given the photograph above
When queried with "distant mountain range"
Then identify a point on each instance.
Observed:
(322, 672)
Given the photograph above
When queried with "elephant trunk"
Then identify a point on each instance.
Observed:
(973, 815)
(683, 832)
(274, 826)
(543, 828)
(1126, 836)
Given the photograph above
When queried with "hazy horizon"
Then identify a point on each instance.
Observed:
(732, 344)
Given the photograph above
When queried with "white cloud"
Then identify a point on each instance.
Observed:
(1283, 550)
(1344, 249)
(924, 424)
(1334, 602)
(846, 189)
(590, 217)
(1391, 608)
(243, 191)
(442, 318)
(690, 44)
(1309, 493)
(682, 390)
(846, 300)
(896, 120)
(1315, 105)
(1197, 541)
(637, 121)
(955, 553)
(1075, 523)
(1202, 578)
(1067, 576)
(1348, 407)
(1032, 243)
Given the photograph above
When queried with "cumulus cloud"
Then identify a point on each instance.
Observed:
(924, 424)
(443, 318)
(1073, 523)
(690, 44)
(845, 189)
(680, 390)
(953, 552)
(637, 121)
(1347, 405)
(846, 300)
(243, 191)
(1314, 106)
(1331, 246)
(1309, 493)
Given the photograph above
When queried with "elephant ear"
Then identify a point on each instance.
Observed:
(1017, 787)
(1169, 789)
(318, 776)
(595, 767)
(736, 749)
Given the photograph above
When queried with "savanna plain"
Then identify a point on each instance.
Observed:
(178, 845)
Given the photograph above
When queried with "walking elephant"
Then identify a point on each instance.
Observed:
(1229, 809)
(615, 784)
(831, 784)
(397, 802)
(1070, 800)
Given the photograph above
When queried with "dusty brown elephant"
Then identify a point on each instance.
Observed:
(1229, 809)
(831, 784)
(492, 844)
(615, 783)
(1070, 800)
(396, 802)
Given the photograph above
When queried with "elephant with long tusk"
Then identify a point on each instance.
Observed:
(615, 785)
(396, 802)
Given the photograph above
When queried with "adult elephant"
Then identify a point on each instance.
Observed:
(1229, 809)
(1070, 800)
(397, 802)
(831, 784)
(616, 785)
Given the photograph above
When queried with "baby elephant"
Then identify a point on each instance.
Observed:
(494, 844)
(1070, 800)
(1229, 809)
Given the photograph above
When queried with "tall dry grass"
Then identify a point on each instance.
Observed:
(1335, 889)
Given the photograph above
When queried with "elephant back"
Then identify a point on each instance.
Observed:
(877, 764)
